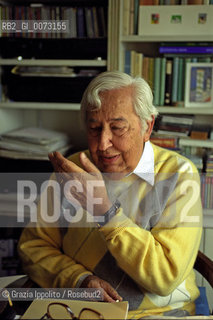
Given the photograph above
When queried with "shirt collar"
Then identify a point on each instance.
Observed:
(145, 166)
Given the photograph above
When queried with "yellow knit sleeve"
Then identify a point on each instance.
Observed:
(160, 259)
(40, 248)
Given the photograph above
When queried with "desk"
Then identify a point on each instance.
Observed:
(21, 306)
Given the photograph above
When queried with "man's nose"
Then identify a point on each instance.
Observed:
(105, 139)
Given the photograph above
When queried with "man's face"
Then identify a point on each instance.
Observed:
(114, 132)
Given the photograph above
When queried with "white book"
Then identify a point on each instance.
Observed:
(14, 154)
(35, 135)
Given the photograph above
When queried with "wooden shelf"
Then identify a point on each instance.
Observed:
(195, 143)
(40, 105)
(182, 110)
(54, 62)
(135, 38)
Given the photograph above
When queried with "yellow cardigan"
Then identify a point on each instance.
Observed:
(146, 251)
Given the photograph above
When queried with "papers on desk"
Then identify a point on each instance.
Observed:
(5, 281)
(116, 310)
(33, 143)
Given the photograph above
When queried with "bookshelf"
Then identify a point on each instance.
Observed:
(87, 52)
(149, 46)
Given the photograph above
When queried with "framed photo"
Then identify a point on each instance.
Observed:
(199, 85)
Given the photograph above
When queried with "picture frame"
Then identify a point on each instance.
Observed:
(199, 85)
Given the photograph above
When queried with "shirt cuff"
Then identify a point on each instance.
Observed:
(81, 279)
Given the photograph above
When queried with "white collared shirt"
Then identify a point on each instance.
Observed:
(145, 166)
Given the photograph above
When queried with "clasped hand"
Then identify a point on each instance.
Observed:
(85, 186)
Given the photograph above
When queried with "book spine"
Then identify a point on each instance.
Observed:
(162, 81)
(175, 80)
(168, 84)
(95, 22)
(73, 21)
(127, 64)
(145, 68)
(157, 71)
(180, 81)
(136, 11)
(80, 22)
(132, 63)
(102, 21)
(131, 18)
(151, 73)
(138, 64)
(126, 14)
(186, 50)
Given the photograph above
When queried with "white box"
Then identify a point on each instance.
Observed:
(187, 20)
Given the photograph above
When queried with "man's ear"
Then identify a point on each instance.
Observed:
(148, 131)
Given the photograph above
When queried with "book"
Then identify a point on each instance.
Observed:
(145, 68)
(138, 64)
(157, 74)
(32, 143)
(165, 142)
(136, 10)
(175, 68)
(178, 119)
(131, 18)
(186, 50)
(162, 81)
(95, 22)
(151, 73)
(32, 155)
(73, 22)
(89, 23)
(102, 22)
(127, 64)
(117, 310)
(168, 84)
(80, 23)
(126, 17)
(173, 133)
(132, 62)
(34, 135)
(180, 88)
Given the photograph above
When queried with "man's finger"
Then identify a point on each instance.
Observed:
(87, 164)
(64, 164)
(107, 298)
(111, 292)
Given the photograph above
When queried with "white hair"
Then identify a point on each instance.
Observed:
(142, 95)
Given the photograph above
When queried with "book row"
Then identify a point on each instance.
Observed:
(165, 75)
(132, 15)
(38, 21)
(207, 191)
(174, 2)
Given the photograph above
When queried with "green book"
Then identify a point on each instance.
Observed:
(180, 81)
(186, 60)
(157, 65)
(136, 10)
(162, 81)
(151, 73)
(175, 79)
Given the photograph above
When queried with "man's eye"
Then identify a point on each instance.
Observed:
(117, 128)
(95, 131)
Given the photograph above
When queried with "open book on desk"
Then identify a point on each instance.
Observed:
(116, 310)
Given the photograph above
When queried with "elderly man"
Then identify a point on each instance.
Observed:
(144, 200)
